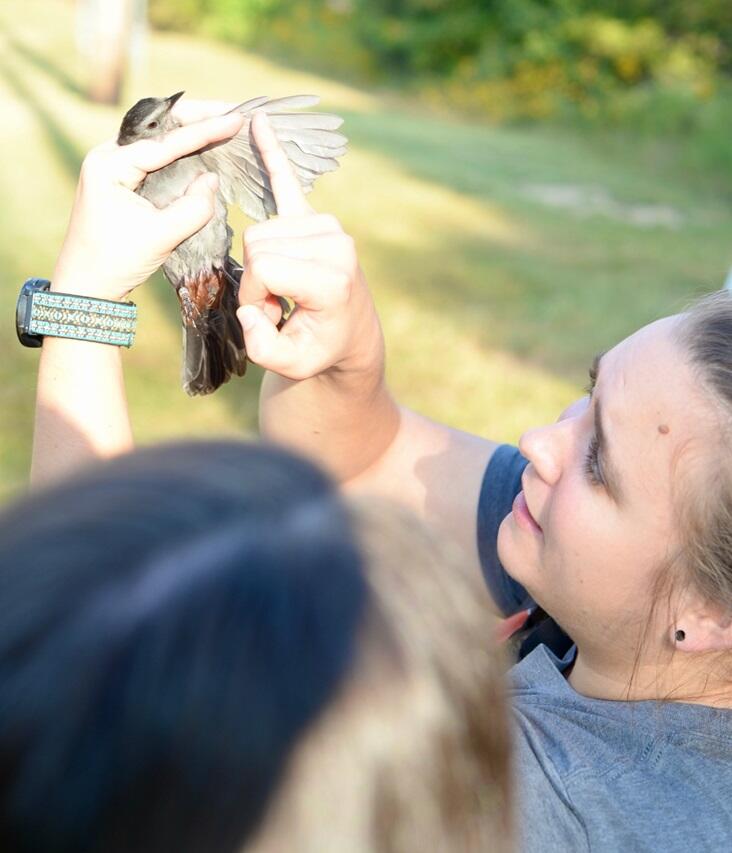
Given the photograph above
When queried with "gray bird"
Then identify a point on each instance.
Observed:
(205, 278)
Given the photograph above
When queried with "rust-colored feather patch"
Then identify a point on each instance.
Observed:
(200, 294)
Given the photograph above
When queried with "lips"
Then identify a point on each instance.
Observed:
(523, 515)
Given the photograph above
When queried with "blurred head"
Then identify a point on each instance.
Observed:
(178, 625)
(629, 497)
(414, 754)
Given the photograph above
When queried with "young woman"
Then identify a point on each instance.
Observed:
(616, 520)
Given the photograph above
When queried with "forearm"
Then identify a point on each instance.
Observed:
(345, 422)
(81, 408)
(114, 242)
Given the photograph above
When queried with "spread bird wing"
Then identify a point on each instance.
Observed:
(310, 140)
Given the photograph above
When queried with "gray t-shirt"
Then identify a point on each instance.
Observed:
(599, 775)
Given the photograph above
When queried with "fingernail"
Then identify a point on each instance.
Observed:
(249, 317)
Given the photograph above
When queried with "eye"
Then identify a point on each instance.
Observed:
(592, 463)
(152, 125)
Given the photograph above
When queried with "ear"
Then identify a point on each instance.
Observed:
(708, 628)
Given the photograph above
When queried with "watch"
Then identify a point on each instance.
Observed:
(66, 315)
(23, 311)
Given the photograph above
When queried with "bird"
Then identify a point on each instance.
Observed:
(205, 277)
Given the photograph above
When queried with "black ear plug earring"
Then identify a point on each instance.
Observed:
(680, 636)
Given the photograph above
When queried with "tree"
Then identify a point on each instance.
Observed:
(105, 29)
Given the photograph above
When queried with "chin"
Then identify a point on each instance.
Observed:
(519, 561)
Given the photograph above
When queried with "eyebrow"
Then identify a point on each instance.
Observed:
(609, 468)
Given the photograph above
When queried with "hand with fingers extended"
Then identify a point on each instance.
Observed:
(306, 257)
(116, 239)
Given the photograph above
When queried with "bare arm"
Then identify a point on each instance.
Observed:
(81, 409)
(437, 471)
(114, 242)
(325, 393)
(356, 430)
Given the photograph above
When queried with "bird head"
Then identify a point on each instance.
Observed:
(149, 117)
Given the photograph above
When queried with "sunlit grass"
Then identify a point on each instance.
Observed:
(492, 303)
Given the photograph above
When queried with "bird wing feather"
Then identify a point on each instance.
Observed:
(310, 141)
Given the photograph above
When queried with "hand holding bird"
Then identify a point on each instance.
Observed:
(205, 278)
(116, 239)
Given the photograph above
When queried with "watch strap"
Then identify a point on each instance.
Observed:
(83, 318)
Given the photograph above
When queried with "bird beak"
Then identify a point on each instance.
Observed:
(173, 98)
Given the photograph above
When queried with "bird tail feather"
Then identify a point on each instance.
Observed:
(213, 342)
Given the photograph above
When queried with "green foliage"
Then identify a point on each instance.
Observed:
(585, 62)
(612, 61)
(420, 35)
(233, 20)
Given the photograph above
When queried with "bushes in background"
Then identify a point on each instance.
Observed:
(507, 58)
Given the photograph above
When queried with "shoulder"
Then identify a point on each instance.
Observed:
(618, 775)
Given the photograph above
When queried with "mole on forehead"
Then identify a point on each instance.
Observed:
(664, 429)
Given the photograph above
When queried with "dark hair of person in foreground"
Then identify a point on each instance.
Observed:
(203, 648)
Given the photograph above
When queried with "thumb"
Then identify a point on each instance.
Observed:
(265, 346)
(189, 213)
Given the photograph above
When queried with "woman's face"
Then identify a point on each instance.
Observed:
(600, 491)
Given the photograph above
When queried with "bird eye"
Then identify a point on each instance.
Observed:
(152, 125)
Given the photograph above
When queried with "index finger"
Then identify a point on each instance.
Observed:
(286, 189)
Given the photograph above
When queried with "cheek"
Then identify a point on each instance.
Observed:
(576, 522)
(600, 556)
(574, 549)
(594, 565)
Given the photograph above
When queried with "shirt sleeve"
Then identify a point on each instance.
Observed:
(501, 483)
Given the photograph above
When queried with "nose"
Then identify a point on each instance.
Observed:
(575, 409)
(548, 448)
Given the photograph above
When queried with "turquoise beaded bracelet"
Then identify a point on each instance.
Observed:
(83, 318)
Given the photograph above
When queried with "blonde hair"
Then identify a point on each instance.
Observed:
(414, 753)
(706, 509)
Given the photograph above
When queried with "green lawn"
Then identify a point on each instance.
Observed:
(493, 300)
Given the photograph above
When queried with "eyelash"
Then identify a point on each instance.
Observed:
(592, 460)
(592, 464)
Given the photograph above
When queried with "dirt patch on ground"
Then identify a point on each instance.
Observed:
(593, 200)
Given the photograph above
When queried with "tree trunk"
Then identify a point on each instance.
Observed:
(108, 27)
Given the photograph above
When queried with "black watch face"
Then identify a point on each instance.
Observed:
(22, 312)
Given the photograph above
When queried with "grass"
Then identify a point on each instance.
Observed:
(493, 303)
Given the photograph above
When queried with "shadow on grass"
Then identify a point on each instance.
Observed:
(67, 151)
(577, 284)
(44, 64)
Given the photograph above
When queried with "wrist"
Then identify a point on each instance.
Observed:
(365, 360)
(92, 289)
(80, 282)
(360, 374)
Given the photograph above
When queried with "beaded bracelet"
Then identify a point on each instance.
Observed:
(83, 318)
